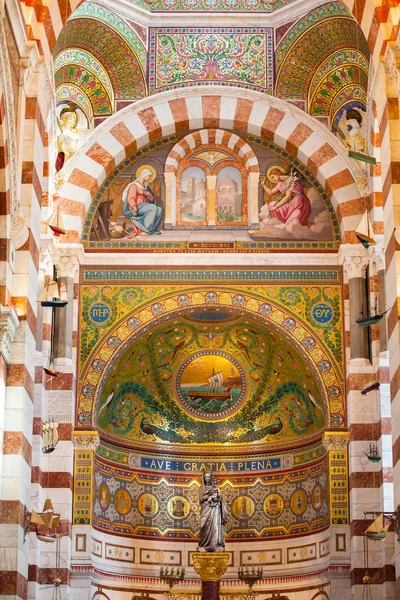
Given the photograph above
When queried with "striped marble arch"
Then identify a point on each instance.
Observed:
(211, 136)
(180, 112)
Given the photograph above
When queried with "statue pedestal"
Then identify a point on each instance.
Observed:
(210, 566)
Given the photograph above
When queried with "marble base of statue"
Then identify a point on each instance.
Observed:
(211, 564)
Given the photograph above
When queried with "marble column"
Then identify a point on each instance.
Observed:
(356, 267)
(212, 207)
(211, 566)
(378, 256)
(254, 184)
(67, 263)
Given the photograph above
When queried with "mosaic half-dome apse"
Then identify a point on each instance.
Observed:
(211, 378)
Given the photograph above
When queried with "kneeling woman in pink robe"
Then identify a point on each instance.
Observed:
(292, 202)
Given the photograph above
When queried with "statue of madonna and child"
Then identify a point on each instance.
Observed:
(213, 516)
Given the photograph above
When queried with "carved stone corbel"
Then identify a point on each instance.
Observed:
(9, 324)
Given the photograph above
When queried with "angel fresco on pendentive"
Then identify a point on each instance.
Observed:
(293, 209)
(130, 209)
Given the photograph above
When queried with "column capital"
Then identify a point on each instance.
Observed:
(9, 324)
(378, 256)
(67, 258)
(354, 259)
(334, 440)
(211, 566)
(86, 440)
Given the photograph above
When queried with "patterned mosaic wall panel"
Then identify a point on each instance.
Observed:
(149, 505)
(206, 56)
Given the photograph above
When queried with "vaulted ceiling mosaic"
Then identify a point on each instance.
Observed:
(320, 61)
(329, 80)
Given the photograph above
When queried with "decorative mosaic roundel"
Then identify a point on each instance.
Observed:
(211, 384)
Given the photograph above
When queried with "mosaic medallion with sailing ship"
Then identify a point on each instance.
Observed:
(210, 384)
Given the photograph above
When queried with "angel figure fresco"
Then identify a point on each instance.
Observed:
(292, 202)
(140, 204)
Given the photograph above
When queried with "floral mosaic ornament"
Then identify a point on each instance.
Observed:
(88, 84)
(112, 50)
(205, 55)
(256, 6)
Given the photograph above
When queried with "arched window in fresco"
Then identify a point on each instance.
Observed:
(229, 196)
(211, 190)
(192, 208)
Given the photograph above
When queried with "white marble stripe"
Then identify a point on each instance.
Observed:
(285, 129)
(331, 167)
(70, 191)
(194, 107)
(346, 193)
(92, 168)
(227, 111)
(172, 162)
(204, 136)
(218, 136)
(191, 141)
(257, 117)
(251, 162)
(165, 118)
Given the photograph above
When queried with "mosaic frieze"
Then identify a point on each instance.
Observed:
(133, 504)
(211, 55)
(256, 6)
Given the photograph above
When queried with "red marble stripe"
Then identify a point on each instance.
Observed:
(30, 108)
(395, 383)
(362, 432)
(383, 123)
(45, 576)
(378, 574)
(49, 30)
(124, 137)
(242, 114)
(365, 479)
(11, 512)
(297, 138)
(151, 123)
(180, 114)
(16, 443)
(271, 123)
(211, 111)
(83, 180)
(396, 452)
(27, 172)
(13, 583)
(102, 156)
(373, 31)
